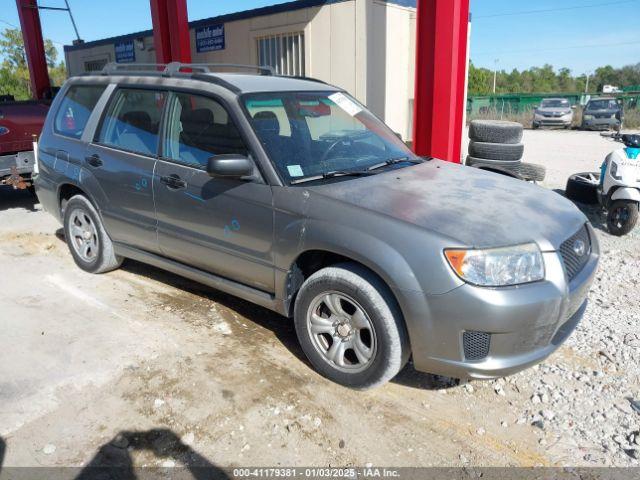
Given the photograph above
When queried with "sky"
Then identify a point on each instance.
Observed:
(578, 34)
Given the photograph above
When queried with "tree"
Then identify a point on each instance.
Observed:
(546, 80)
(14, 72)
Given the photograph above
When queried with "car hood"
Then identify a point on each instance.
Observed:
(470, 206)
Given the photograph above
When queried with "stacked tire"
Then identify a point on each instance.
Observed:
(497, 146)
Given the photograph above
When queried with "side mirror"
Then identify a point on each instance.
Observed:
(230, 166)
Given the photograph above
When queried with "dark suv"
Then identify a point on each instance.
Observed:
(289, 193)
(602, 114)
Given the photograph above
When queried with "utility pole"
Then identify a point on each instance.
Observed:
(586, 89)
(495, 75)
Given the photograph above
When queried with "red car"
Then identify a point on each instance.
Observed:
(20, 123)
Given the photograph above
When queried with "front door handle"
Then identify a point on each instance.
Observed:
(173, 181)
(94, 160)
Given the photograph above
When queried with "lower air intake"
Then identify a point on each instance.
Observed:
(476, 345)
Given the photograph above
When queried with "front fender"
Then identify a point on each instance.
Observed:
(362, 247)
(626, 193)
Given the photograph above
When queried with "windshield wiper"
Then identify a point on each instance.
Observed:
(394, 161)
(332, 174)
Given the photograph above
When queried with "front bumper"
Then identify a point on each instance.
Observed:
(600, 123)
(552, 121)
(525, 323)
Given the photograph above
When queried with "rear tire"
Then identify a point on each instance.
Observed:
(581, 189)
(510, 152)
(622, 217)
(495, 131)
(350, 327)
(88, 242)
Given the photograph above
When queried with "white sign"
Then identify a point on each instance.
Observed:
(345, 103)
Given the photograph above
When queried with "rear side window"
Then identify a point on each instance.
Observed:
(132, 120)
(75, 109)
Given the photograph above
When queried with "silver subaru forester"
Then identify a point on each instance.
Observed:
(290, 194)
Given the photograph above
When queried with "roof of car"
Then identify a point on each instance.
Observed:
(239, 83)
(269, 83)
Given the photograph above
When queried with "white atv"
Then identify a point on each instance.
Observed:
(616, 187)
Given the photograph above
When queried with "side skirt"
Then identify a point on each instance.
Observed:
(236, 289)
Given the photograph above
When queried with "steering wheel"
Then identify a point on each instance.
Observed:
(329, 150)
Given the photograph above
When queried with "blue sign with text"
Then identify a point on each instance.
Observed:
(125, 52)
(210, 38)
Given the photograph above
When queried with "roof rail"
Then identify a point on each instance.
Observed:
(112, 68)
(175, 68)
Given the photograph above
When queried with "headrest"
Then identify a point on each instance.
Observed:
(267, 122)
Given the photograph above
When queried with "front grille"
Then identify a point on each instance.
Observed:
(574, 263)
(476, 345)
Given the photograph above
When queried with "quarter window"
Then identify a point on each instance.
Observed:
(199, 128)
(75, 109)
(132, 121)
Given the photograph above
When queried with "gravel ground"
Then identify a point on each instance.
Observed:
(586, 401)
(140, 365)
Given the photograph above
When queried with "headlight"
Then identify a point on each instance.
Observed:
(588, 117)
(498, 267)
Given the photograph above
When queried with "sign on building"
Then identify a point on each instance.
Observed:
(125, 52)
(210, 38)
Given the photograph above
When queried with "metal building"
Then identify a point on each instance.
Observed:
(365, 47)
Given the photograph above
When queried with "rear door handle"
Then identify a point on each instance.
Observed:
(94, 160)
(173, 181)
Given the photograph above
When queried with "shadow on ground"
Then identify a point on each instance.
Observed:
(282, 328)
(114, 460)
(10, 198)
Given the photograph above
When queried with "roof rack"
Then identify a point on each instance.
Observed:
(176, 68)
(113, 68)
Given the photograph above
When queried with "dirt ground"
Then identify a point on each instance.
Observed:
(144, 366)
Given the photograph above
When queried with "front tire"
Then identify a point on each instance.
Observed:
(350, 327)
(622, 217)
(88, 242)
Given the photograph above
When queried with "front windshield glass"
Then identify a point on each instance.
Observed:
(310, 134)
(602, 105)
(555, 104)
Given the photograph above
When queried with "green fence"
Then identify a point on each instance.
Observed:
(524, 103)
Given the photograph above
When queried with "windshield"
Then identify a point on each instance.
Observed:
(310, 134)
(602, 105)
(555, 104)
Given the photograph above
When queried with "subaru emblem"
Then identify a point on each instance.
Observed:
(4, 130)
(579, 248)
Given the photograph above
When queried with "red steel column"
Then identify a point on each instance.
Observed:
(34, 48)
(171, 31)
(441, 69)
